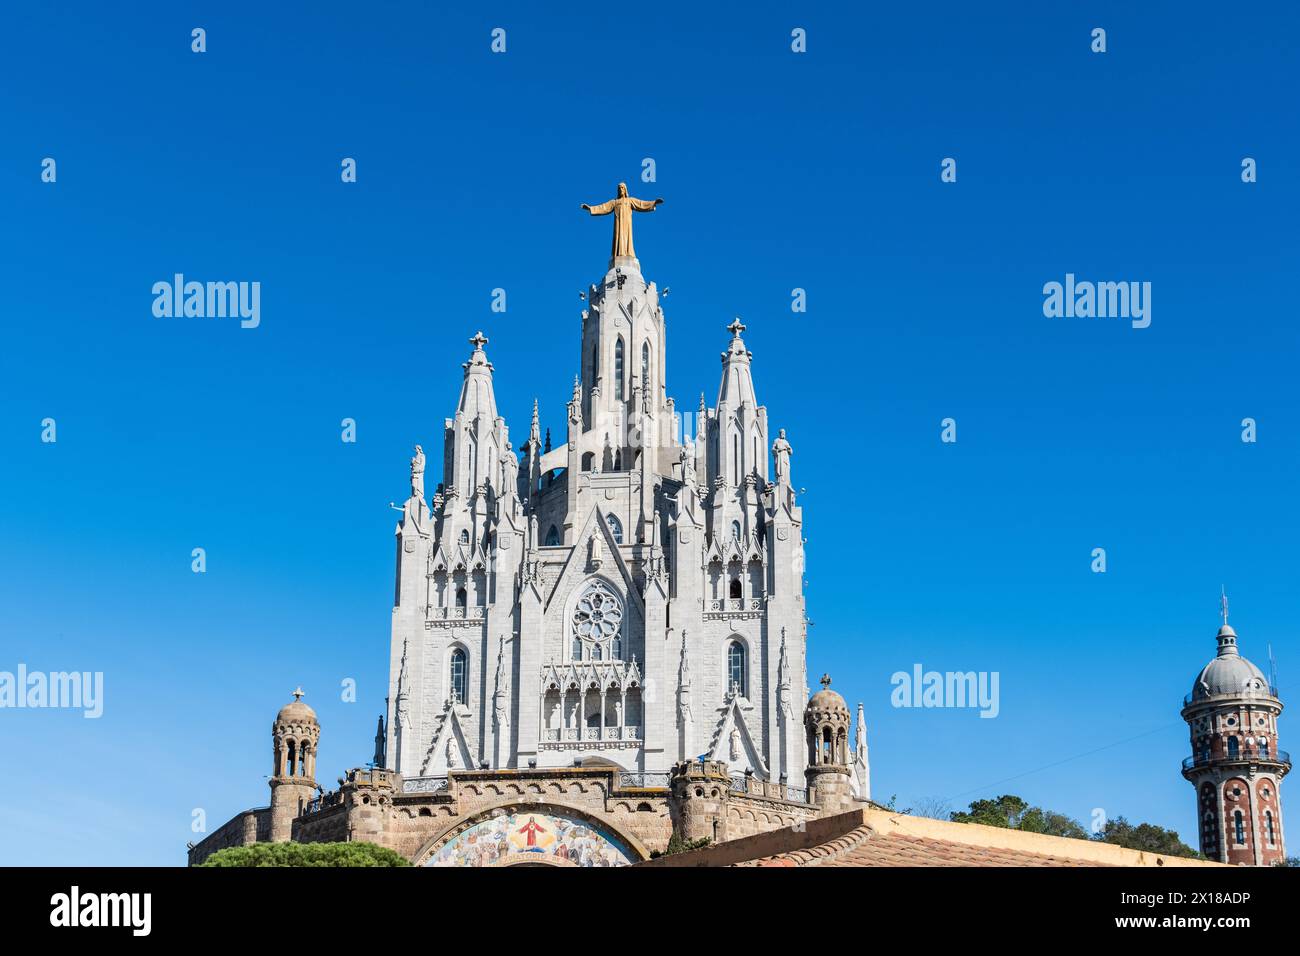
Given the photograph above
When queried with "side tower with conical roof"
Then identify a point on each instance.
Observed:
(1236, 766)
(295, 736)
(830, 779)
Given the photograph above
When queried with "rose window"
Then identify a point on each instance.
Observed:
(597, 623)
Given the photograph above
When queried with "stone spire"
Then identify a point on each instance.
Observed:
(380, 740)
(737, 386)
(861, 762)
(477, 432)
(476, 393)
(741, 421)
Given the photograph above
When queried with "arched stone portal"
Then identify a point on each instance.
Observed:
(536, 835)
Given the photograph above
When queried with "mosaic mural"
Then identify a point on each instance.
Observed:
(528, 836)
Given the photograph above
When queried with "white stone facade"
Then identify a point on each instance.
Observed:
(634, 594)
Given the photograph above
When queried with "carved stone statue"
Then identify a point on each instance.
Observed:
(500, 698)
(417, 473)
(509, 471)
(451, 753)
(781, 452)
(575, 404)
(596, 554)
(684, 715)
(403, 708)
(688, 465)
(783, 682)
(735, 742)
(622, 207)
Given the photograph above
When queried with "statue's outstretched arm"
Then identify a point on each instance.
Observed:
(604, 209)
(645, 205)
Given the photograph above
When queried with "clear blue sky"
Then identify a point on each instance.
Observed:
(818, 171)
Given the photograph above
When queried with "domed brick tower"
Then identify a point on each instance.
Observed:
(827, 722)
(295, 734)
(1236, 766)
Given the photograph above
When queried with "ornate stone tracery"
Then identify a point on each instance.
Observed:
(597, 623)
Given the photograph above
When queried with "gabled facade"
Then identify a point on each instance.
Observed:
(633, 594)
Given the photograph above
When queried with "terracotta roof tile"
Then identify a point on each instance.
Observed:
(863, 846)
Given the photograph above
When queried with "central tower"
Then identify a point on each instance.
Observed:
(630, 596)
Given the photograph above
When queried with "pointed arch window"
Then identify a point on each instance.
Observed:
(618, 369)
(460, 674)
(737, 671)
(735, 530)
(464, 536)
(1239, 826)
(462, 598)
(615, 528)
(645, 364)
(553, 537)
(735, 458)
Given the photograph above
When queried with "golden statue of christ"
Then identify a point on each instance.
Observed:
(622, 207)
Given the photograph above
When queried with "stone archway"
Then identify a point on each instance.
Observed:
(531, 834)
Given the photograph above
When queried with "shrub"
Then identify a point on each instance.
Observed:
(306, 854)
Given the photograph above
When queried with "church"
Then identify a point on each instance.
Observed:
(596, 644)
(599, 651)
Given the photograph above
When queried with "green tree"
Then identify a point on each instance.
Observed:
(1038, 820)
(1015, 813)
(1004, 811)
(677, 845)
(306, 854)
(1144, 836)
